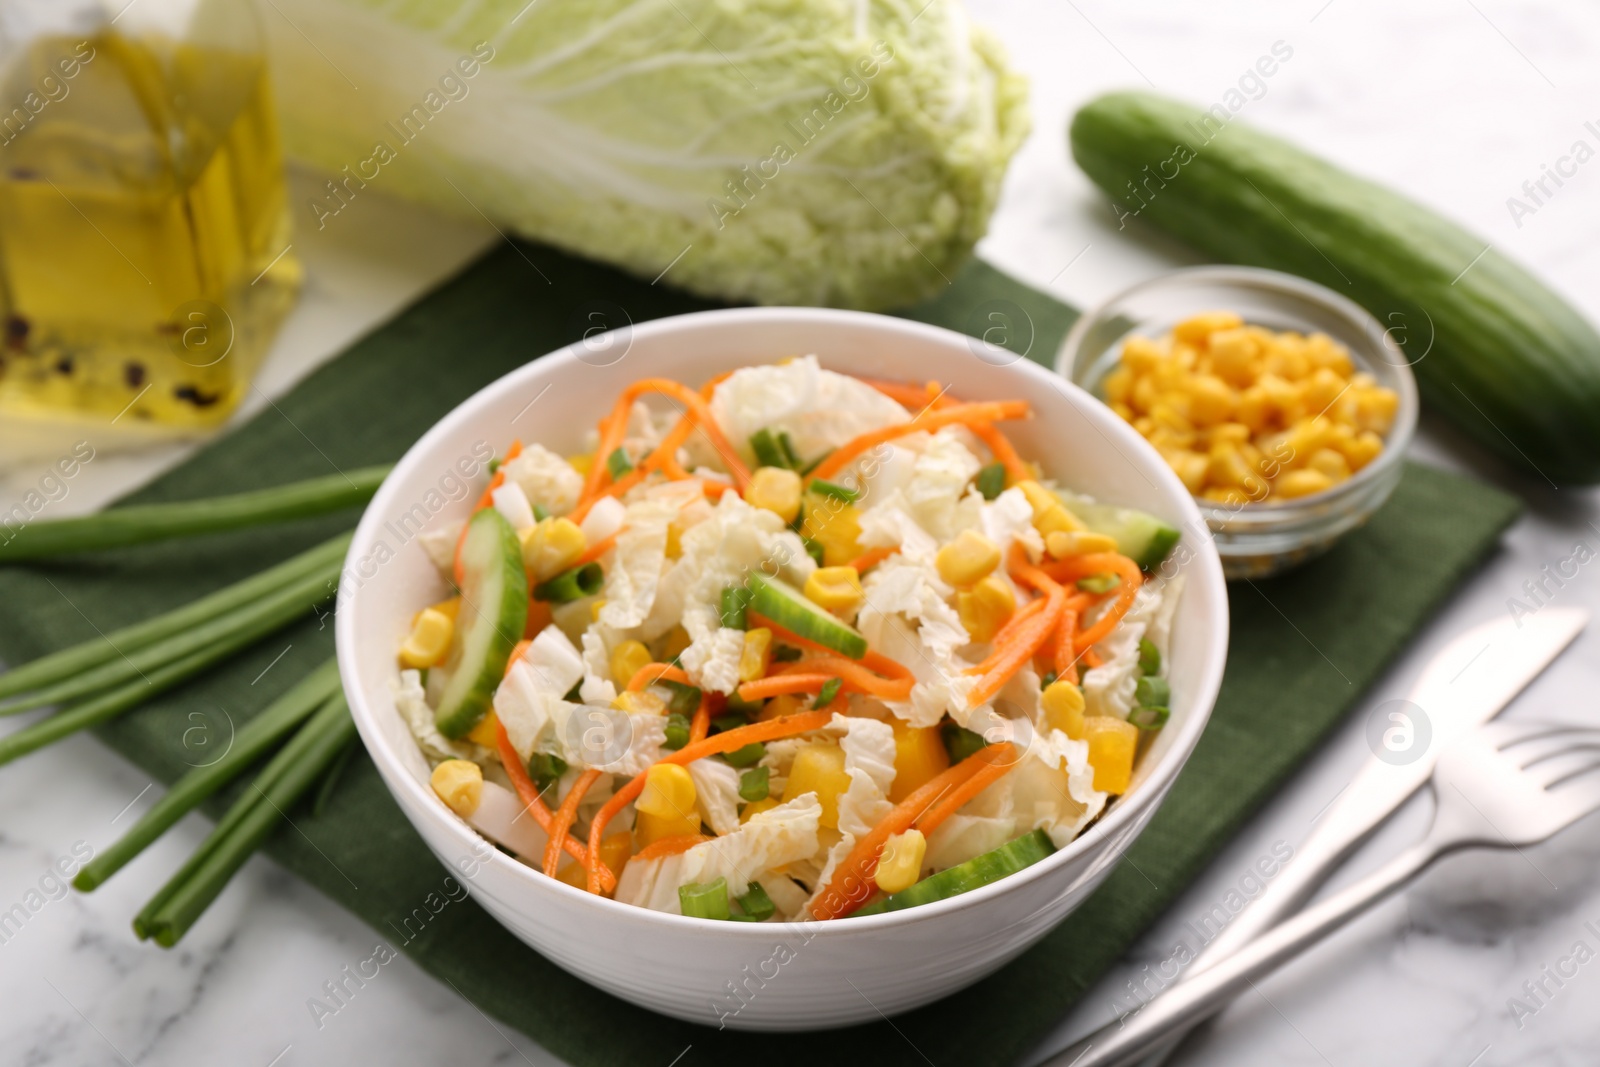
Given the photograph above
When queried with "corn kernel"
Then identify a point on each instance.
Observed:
(836, 526)
(1293, 484)
(775, 489)
(1062, 545)
(551, 546)
(450, 608)
(756, 655)
(668, 792)
(1191, 468)
(1049, 514)
(1063, 706)
(1255, 408)
(1118, 383)
(1231, 495)
(648, 829)
(919, 757)
(487, 732)
(1234, 357)
(1197, 329)
(429, 641)
(627, 659)
(1330, 462)
(900, 862)
(1112, 745)
(969, 557)
(1211, 400)
(1141, 353)
(459, 783)
(674, 643)
(581, 463)
(985, 608)
(1375, 409)
(1363, 450)
(835, 589)
(1232, 432)
(819, 769)
(641, 703)
(756, 807)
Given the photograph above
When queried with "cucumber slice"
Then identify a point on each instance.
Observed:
(494, 612)
(992, 866)
(786, 606)
(1140, 536)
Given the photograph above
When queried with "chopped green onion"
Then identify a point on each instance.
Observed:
(813, 549)
(330, 780)
(142, 523)
(786, 654)
(248, 744)
(573, 584)
(829, 690)
(731, 721)
(677, 731)
(1048, 679)
(685, 699)
(746, 756)
(1152, 692)
(791, 457)
(1099, 583)
(540, 513)
(755, 903)
(753, 784)
(991, 480)
(618, 464)
(1149, 657)
(708, 901)
(769, 453)
(736, 607)
(293, 771)
(494, 465)
(959, 742)
(545, 770)
(838, 492)
(1148, 718)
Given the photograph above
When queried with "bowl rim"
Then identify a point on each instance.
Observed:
(1395, 443)
(1124, 814)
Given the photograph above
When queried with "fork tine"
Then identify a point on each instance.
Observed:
(1542, 750)
(1505, 734)
(1557, 771)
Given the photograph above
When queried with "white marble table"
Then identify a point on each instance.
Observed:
(1456, 101)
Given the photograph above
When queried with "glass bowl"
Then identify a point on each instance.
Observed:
(1256, 540)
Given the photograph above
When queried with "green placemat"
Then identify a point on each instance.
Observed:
(1305, 646)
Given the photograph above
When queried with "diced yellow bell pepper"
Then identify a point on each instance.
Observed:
(919, 756)
(641, 703)
(551, 546)
(674, 643)
(648, 829)
(834, 525)
(615, 850)
(1050, 515)
(486, 733)
(1063, 706)
(900, 863)
(429, 641)
(668, 792)
(1112, 746)
(781, 705)
(459, 783)
(1079, 543)
(819, 768)
(756, 655)
(756, 807)
(581, 462)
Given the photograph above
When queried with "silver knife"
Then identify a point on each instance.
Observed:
(1466, 684)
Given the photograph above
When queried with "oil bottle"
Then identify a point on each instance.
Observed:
(145, 253)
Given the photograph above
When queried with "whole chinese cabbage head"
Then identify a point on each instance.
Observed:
(843, 152)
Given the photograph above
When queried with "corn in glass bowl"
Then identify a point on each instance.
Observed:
(1259, 539)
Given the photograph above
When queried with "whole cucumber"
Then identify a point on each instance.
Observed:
(1494, 350)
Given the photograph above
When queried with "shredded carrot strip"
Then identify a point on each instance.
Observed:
(616, 426)
(964, 414)
(852, 883)
(1064, 656)
(596, 550)
(726, 741)
(538, 617)
(1004, 452)
(873, 661)
(661, 458)
(1023, 643)
(516, 653)
(651, 673)
(857, 677)
(1091, 658)
(669, 846)
(915, 397)
(1075, 567)
(871, 558)
(777, 684)
(529, 794)
(566, 815)
(700, 725)
(998, 760)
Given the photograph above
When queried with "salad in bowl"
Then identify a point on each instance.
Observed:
(788, 644)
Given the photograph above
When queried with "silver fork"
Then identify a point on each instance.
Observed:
(1504, 785)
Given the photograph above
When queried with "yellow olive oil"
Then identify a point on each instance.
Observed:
(145, 257)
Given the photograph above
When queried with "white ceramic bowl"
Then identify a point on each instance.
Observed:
(766, 976)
